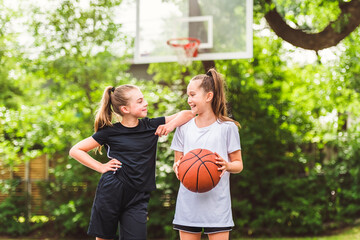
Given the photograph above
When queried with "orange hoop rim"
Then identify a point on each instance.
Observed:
(190, 43)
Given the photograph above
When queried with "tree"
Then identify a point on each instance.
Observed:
(300, 36)
(10, 91)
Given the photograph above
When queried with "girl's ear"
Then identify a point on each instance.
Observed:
(124, 109)
(209, 96)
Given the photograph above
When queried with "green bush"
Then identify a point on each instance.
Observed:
(14, 216)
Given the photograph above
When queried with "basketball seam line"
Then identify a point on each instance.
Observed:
(195, 155)
(191, 164)
(202, 163)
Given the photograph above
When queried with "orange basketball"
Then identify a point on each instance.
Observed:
(198, 170)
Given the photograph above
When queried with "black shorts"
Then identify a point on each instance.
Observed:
(115, 202)
(207, 230)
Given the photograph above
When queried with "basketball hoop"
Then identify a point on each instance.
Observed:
(185, 49)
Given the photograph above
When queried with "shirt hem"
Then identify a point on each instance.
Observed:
(203, 224)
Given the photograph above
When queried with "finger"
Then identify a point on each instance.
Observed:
(163, 132)
(222, 166)
(216, 154)
(116, 162)
(222, 173)
(116, 165)
(159, 130)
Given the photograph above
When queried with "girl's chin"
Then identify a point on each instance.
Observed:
(194, 111)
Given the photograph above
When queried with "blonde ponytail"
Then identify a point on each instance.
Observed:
(104, 114)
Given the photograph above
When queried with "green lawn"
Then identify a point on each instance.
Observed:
(346, 234)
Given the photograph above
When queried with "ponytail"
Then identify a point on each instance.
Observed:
(104, 114)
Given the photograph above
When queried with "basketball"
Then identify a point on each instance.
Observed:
(198, 170)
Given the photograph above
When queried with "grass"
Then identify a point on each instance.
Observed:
(345, 234)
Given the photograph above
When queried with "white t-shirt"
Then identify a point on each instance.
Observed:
(212, 208)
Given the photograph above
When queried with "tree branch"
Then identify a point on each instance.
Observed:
(348, 21)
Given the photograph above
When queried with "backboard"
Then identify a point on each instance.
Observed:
(223, 27)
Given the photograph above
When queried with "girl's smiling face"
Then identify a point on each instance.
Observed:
(197, 98)
(137, 105)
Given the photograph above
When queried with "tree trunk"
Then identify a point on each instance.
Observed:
(348, 21)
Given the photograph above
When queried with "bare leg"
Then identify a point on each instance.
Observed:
(219, 236)
(102, 239)
(189, 236)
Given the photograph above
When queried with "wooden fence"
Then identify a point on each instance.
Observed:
(29, 174)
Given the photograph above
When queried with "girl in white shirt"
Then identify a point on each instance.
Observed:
(211, 129)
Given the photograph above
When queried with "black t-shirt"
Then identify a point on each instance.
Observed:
(135, 148)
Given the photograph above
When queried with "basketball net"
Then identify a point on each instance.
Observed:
(185, 49)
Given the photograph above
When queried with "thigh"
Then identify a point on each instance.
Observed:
(219, 236)
(189, 236)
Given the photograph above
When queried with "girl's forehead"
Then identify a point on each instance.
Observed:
(194, 85)
(135, 94)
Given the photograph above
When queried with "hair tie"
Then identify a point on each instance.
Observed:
(113, 89)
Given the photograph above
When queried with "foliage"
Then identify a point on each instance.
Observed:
(13, 211)
(299, 135)
(10, 92)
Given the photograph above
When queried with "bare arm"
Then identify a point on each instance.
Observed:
(80, 152)
(173, 121)
(234, 166)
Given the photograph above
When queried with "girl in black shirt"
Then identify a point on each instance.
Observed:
(128, 177)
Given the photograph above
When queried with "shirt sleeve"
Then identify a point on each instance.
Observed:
(100, 136)
(177, 143)
(233, 138)
(155, 122)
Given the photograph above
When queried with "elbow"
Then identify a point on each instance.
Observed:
(240, 169)
(72, 152)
